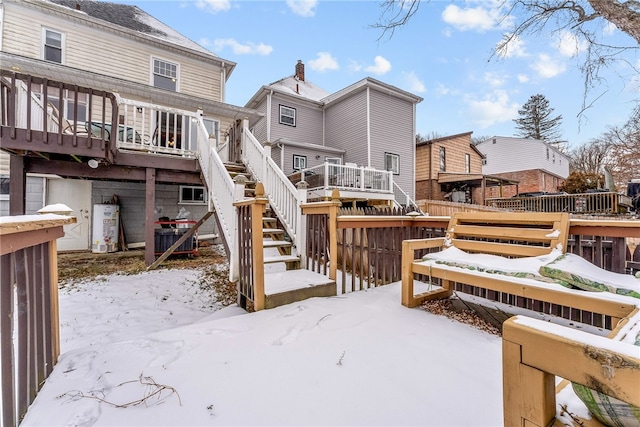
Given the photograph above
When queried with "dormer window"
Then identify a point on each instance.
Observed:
(287, 116)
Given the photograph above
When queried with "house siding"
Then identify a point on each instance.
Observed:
(117, 56)
(391, 124)
(260, 128)
(346, 128)
(132, 196)
(308, 128)
(34, 197)
(505, 154)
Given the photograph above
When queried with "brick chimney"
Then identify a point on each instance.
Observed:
(300, 70)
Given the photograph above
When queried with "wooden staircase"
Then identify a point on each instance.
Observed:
(285, 281)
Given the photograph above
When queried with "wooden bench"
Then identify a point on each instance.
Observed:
(508, 234)
(534, 352)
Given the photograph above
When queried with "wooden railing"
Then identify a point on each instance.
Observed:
(251, 250)
(534, 352)
(445, 208)
(29, 325)
(593, 203)
(368, 251)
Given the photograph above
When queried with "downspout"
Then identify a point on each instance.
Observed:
(223, 79)
(413, 136)
(1, 25)
(430, 194)
(269, 117)
(368, 128)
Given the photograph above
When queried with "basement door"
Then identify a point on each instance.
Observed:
(76, 194)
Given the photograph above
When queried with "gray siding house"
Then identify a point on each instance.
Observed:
(370, 124)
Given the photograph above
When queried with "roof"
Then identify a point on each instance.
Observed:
(450, 137)
(475, 180)
(308, 91)
(129, 20)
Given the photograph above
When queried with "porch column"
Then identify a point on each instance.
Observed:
(150, 205)
(17, 185)
(484, 190)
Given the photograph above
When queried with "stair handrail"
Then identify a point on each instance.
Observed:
(283, 196)
(221, 192)
(409, 200)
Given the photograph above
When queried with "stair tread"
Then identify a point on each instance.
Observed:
(272, 231)
(280, 258)
(275, 243)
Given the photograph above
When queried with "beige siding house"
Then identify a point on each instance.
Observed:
(115, 48)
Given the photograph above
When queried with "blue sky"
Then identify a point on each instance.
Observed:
(442, 55)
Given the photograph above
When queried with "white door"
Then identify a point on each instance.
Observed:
(76, 194)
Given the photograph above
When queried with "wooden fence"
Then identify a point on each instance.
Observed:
(368, 251)
(596, 203)
(29, 330)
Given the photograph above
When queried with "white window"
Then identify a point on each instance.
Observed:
(192, 195)
(299, 162)
(333, 160)
(165, 74)
(52, 42)
(443, 159)
(287, 115)
(4, 187)
(392, 163)
(67, 106)
(467, 163)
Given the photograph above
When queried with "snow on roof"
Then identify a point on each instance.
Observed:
(302, 88)
(132, 18)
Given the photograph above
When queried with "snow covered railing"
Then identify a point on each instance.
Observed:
(536, 351)
(29, 324)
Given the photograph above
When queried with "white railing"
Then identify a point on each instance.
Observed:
(283, 195)
(347, 177)
(401, 198)
(221, 191)
(153, 128)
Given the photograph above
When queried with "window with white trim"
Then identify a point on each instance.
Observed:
(392, 163)
(52, 42)
(467, 163)
(4, 187)
(165, 74)
(333, 160)
(287, 115)
(299, 162)
(192, 195)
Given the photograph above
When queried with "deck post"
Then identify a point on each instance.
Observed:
(17, 185)
(301, 220)
(150, 204)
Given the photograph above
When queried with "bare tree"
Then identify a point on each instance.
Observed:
(585, 19)
(592, 157)
(625, 155)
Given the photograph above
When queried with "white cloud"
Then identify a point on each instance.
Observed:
(214, 6)
(415, 84)
(238, 48)
(569, 44)
(323, 62)
(513, 49)
(609, 29)
(548, 67)
(493, 108)
(380, 66)
(478, 18)
(304, 8)
(442, 90)
(494, 79)
(523, 78)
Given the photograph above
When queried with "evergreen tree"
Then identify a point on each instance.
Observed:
(536, 122)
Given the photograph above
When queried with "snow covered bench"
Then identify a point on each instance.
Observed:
(506, 252)
(601, 375)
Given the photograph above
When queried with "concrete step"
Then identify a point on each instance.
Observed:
(286, 287)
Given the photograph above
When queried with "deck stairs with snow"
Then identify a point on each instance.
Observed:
(285, 281)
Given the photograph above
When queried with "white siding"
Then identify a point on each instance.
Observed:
(105, 52)
(505, 154)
